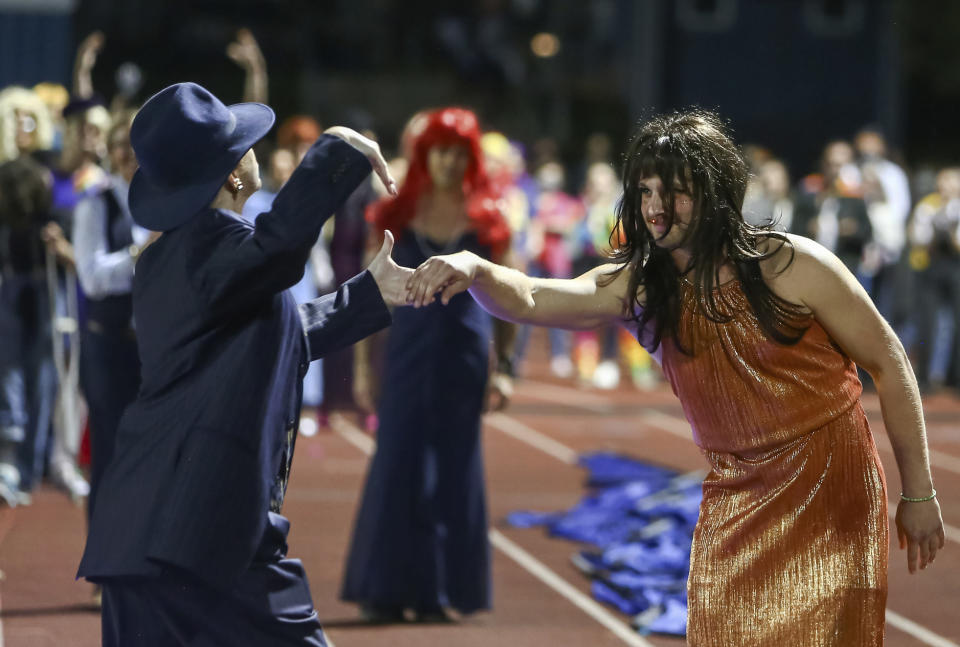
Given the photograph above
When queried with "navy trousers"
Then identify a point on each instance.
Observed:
(270, 605)
(110, 377)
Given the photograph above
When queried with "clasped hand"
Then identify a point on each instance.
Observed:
(391, 278)
(402, 286)
(449, 275)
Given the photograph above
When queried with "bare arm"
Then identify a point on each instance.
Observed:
(245, 52)
(83, 65)
(500, 388)
(819, 281)
(582, 303)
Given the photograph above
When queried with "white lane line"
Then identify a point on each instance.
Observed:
(681, 427)
(945, 461)
(937, 459)
(665, 422)
(564, 588)
(529, 435)
(352, 434)
(592, 402)
(919, 632)
(570, 397)
(595, 404)
(528, 562)
(598, 404)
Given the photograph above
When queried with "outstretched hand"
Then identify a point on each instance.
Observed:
(390, 277)
(920, 531)
(448, 275)
(371, 150)
(244, 51)
(89, 49)
(83, 64)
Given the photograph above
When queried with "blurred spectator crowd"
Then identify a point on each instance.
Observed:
(896, 228)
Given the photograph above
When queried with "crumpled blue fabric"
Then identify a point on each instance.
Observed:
(640, 519)
(606, 468)
(673, 619)
(529, 518)
(668, 552)
(629, 601)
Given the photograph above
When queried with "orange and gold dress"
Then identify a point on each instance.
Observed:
(791, 545)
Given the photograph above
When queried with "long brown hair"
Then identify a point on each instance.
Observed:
(694, 149)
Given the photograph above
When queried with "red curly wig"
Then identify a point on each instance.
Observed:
(445, 127)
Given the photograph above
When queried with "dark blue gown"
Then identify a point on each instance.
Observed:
(420, 539)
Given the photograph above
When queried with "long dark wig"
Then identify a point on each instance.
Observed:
(693, 149)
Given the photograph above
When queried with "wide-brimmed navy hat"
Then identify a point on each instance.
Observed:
(187, 142)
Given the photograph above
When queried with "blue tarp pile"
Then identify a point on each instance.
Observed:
(638, 520)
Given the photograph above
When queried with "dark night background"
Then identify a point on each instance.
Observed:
(789, 74)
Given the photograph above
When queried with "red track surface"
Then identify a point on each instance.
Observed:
(42, 606)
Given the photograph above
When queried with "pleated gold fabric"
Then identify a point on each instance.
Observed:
(791, 546)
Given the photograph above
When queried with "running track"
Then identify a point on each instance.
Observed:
(539, 598)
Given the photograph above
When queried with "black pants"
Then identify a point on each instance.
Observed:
(937, 287)
(269, 606)
(109, 377)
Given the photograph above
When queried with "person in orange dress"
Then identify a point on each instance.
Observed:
(759, 334)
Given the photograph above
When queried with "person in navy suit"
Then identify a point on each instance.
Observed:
(186, 536)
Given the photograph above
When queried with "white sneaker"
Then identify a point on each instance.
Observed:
(607, 375)
(9, 484)
(10, 474)
(67, 477)
(561, 366)
(9, 495)
(308, 427)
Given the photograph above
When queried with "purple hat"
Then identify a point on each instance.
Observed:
(187, 143)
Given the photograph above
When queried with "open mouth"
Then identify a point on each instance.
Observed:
(659, 223)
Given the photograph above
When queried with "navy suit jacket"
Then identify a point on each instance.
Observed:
(203, 453)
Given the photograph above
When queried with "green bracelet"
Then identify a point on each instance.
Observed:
(920, 500)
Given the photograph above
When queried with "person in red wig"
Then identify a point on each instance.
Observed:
(420, 540)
